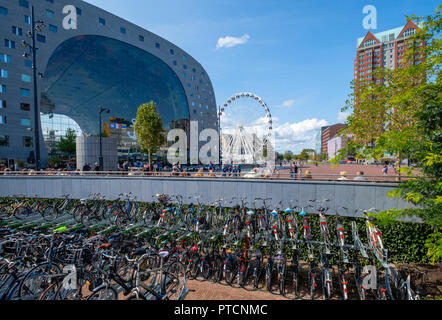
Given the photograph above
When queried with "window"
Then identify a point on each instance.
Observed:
(3, 73)
(2, 104)
(408, 32)
(25, 78)
(4, 141)
(184, 67)
(28, 19)
(141, 38)
(17, 31)
(53, 28)
(25, 92)
(184, 57)
(2, 119)
(157, 45)
(41, 38)
(123, 30)
(174, 62)
(2, 88)
(27, 142)
(25, 106)
(23, 3)
(172, 51)
(3, 11)
(25, 122)
(9, 44)
(50, 14)
(78, 11)
(184, 74)
(369, 43)
(28, 63)
(51, 1)
(101, 21)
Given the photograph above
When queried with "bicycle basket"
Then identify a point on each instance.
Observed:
(162, 198)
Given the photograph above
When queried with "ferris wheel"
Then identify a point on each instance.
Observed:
(245, 136)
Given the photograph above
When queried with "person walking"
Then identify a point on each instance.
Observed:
(385, 170)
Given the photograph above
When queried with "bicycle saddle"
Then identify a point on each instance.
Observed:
(288, 211)
(303, 213)
(274, 213)
(163, 254)
(105, 246)
(250, 212)
(194, 248)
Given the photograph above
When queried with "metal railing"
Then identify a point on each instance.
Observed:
(392, 178)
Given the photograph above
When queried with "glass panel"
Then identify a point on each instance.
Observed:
(86, 72)
(25, 122)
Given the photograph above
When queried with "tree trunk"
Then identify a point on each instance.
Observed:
(149, 158)
(398, 168)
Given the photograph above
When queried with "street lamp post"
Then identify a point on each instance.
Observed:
(99, 132)
(36, 26)
(219, 139)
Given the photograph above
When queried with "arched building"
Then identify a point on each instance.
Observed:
(105, 61)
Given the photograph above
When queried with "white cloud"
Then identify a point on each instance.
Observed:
(288, 103)
(342, 116)
(299, 135)
(229, 42)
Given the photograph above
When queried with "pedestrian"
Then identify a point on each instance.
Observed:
(360, 176)
(385, 170)
(97, 167)
(86, 167)
(295, 170)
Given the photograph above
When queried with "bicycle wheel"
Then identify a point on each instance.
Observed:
(50, 213)
(36, 281)
(281, 280)
(344, 287)
(268, 277)
(217, 269)
(295, 281)
(105, 293)
(174, 283)
(49, 293)
(21, 213)
(78, 290)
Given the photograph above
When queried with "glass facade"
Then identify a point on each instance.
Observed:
(54, 127)
(86, 72)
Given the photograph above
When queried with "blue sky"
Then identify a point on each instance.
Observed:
(297, 55)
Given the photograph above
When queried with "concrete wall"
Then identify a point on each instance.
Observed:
(88, 150)
(352, 195)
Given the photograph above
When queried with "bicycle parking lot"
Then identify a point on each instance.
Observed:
(164, 249)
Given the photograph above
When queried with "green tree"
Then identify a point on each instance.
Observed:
(403, 118)
(287, 156)
(149, 129)
(68, 143)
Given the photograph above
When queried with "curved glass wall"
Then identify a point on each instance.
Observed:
(55, 127)
(87, 72)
